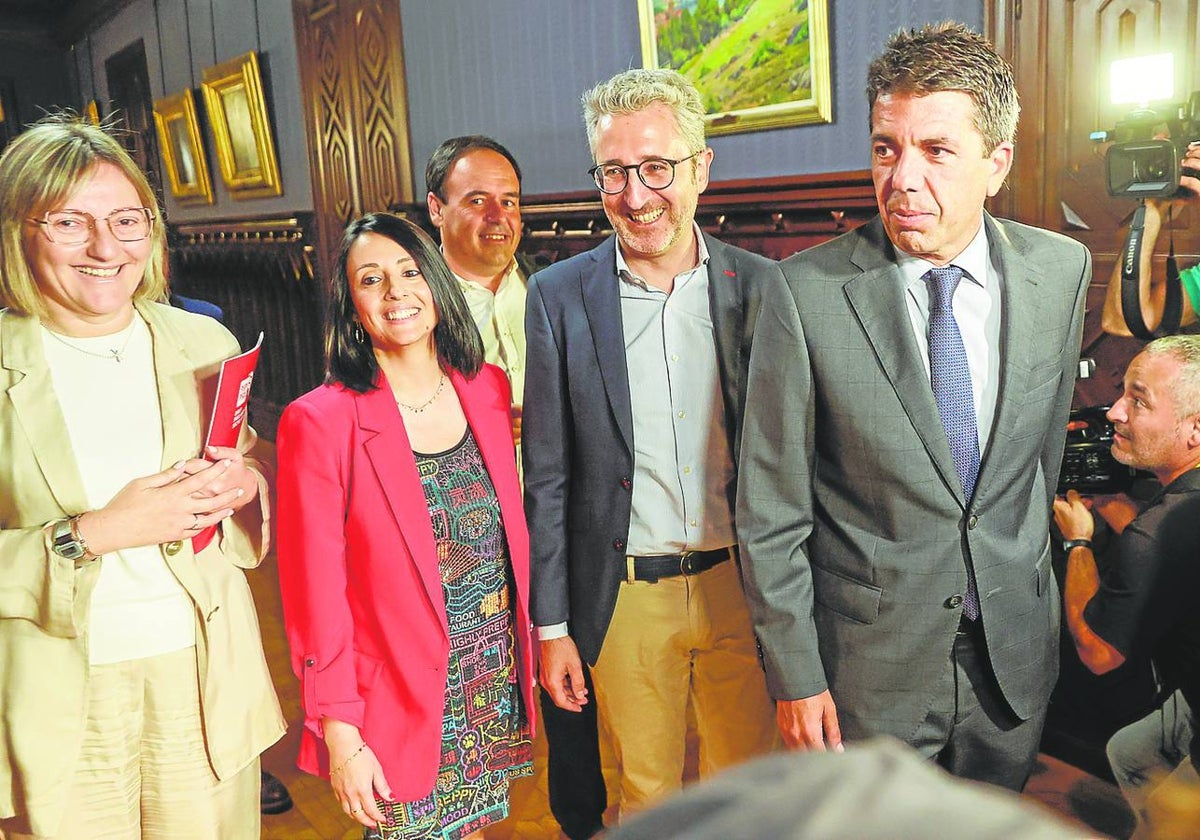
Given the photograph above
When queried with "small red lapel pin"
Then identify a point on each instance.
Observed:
(729, 273)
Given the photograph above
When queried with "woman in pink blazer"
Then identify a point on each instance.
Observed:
(403, 551)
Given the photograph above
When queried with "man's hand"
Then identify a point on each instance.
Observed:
(1191, 160)
(1117, 509)
(809, 723)
(561, 673)
(515, 414)
(1074, 520)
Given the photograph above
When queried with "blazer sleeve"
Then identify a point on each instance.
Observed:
(774, 506)
(546, 458)
(312, 448)
(1052, 450)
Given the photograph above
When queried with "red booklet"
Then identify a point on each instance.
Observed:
(230, 403)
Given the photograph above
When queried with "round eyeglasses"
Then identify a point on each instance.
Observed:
(75, 227)
(655, 173)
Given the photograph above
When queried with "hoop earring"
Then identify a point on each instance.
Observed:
(358, 334)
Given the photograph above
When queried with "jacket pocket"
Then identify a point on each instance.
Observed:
(846, 596)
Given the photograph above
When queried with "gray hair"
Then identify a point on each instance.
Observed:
(639, 89)
(949, 57)
(1184, 349)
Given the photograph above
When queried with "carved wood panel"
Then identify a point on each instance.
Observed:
(352, 77)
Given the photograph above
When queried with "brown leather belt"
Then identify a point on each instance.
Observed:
(655, 567)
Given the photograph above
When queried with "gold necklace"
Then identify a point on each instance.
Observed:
(417, 409)
(113, 353)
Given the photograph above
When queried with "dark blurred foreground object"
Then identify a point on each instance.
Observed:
(879, 789)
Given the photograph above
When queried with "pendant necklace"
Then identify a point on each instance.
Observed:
(113, 353)
(417, 409)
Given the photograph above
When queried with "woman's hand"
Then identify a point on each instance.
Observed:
(354, 772)
(171, 505)
(236, 474)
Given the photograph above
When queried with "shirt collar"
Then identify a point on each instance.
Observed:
(973, 261)
(629, 277)
(470, 287)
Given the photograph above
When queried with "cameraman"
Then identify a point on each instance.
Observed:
(1152, 291)
(1146, 601)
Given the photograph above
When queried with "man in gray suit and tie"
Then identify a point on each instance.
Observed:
(907, 407)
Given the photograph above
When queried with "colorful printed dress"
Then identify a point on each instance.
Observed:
(485, 734)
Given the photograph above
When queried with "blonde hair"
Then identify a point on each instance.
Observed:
(38, 170)
(639, 89)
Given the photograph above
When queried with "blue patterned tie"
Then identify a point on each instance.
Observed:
(950, 376)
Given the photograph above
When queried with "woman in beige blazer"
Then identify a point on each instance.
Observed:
(134, 696)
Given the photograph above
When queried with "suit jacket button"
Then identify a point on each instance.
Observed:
(954, 601)
(972, 521)
(626, 483)
(619, 544)
(173, 548)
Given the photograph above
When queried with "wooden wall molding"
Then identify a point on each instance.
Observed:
(775, 217)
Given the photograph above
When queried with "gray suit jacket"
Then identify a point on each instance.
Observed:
(855, 532)
(578, 425)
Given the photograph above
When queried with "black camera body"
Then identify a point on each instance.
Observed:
(1138, 164)
(1088, 465)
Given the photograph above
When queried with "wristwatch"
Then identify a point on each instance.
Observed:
(68, 543)
(1070, 544)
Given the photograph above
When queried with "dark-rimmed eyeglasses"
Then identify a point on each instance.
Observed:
(75, 227)
(655, 173)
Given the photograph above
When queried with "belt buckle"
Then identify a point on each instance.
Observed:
(685, 563)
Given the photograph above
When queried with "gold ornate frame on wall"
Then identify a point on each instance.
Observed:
(237, 110)
(91, 112)
(768, 67)
(182, 148)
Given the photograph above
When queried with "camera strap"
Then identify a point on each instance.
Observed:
(1131, 305)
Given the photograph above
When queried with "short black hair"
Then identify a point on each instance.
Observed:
(445, 156)
(351, 362)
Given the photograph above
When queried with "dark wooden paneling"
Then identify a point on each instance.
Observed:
(261, 273)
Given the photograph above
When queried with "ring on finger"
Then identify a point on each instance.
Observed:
(195, 522)
(356, 810)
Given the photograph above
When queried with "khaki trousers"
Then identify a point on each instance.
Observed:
(143, 770)
(670, 641)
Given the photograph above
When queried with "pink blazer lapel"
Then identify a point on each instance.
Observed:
(391, 457)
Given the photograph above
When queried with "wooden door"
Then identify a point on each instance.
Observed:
(352, 77)
(1061, 51)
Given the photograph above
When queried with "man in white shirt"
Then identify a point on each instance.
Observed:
(474, 201)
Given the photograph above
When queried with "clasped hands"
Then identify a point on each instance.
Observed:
(171, 505)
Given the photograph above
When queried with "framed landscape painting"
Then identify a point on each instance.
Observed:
(757, 63)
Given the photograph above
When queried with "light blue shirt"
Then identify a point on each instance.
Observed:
(682, 467)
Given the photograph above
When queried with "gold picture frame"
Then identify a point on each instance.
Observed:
(91, 112)
(758, 64)
(182, 148)
(237, 109)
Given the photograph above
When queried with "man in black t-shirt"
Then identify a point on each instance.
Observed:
(1147, 602)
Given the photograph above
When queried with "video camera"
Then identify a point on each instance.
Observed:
(1088, 465)
(1140, 166)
